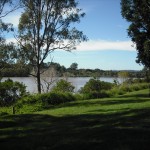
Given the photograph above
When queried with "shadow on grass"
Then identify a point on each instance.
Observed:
(108, 101)
(128, 130)
(122, 99)
(137, 95)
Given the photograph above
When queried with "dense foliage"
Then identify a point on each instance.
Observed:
(96, 85)
(14, 70)
(38, 102)
(7, 50)
(95, 88)
(63, 86)
(137, 12)
(10, 92)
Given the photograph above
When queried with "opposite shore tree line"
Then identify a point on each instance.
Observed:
(20, 70)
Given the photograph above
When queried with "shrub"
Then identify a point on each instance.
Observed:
(96, 89)
(55, 98)
(136, 87)
(38, 102)
(79, 96)
(124, 88)
(63, 86)
(10, 91)
(94, 85)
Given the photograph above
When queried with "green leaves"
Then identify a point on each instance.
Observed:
(137, 13)
(11, 91)
(63, 86)
(49, 25)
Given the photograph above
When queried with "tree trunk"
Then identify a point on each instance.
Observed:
(38, 48)
(39, 80)
(149, 79)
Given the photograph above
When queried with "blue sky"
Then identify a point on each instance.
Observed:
(108, 47)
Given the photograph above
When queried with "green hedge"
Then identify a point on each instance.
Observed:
(38, 102)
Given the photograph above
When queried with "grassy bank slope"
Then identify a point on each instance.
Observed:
(121, 123)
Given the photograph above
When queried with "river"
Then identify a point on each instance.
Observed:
(77, 82)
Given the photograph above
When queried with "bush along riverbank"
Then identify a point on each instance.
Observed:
(15, 98)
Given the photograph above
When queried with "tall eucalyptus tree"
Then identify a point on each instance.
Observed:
(45, 26)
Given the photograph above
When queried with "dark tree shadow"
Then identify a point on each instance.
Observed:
(137, 95)
(114, 101)
(126, 130)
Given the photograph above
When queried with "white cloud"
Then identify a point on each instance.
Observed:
(101, 45)
(8, 40)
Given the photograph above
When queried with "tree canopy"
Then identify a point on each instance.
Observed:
(137, 12)
(74, 66)
(7, 50)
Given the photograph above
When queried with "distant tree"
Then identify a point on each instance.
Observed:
(74, 66)
(45, 26)
(73, 69)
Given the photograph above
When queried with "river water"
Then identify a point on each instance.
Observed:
(77, 82)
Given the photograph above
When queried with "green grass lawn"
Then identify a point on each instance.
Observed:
(120, 123)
